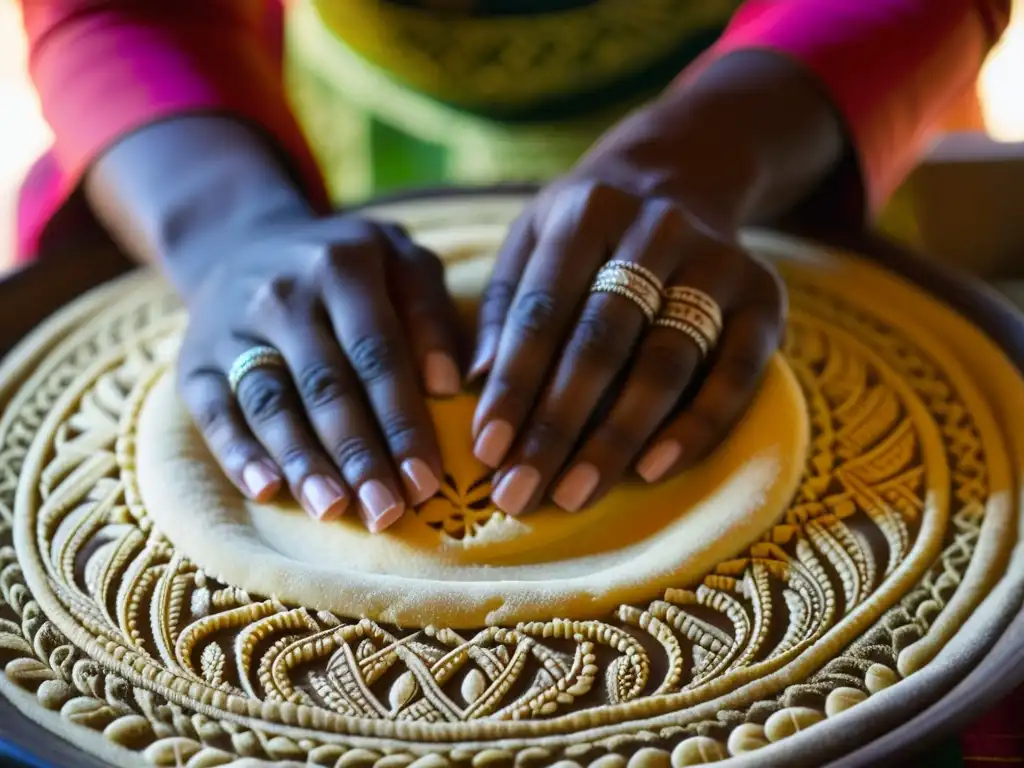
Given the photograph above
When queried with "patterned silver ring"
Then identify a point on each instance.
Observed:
(631, 281)
(693, 316)
(250, 360)
(685, 294)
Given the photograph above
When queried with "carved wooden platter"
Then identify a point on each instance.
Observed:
(887, 574)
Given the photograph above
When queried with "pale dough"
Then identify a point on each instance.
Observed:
(634, 543)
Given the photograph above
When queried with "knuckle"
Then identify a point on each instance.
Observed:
(211, 417)
(390, 229)
(275, 296)
(499, 293)
(598, 340)
(374, 357)
(296, 460)
(342, 260)
(596, 193)
(319, 384)
(496, 300)
(323, 267)
(669, 368)
(596, 199)
(668, 220)
(261, 397)
(619, 438)
(428, 263)
(546, 436)
(399, 430)
(585, 203)
(354, 455)
(534, 311)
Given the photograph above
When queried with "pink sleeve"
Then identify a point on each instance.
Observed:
(892, 67)
(103, 68)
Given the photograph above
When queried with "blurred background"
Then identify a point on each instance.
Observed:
(24, 134)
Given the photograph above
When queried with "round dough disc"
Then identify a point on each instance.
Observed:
(458, 559)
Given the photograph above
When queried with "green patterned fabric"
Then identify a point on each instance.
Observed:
(374, 132)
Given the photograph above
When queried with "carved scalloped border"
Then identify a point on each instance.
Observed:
(103, 706)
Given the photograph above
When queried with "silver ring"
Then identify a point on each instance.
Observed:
(249, 361)
(631, 281)
(691, 315)
(688, 330)
(637, 269)
(687, 295)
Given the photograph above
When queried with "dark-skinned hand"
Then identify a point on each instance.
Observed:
(556, 354)
(365, 325)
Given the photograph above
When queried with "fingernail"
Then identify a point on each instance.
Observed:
(261, 480)
(576, 487)
(420, 482)
(441, 375)
(381, 506)
(323, 498)
(516, 490)
(493, 443)
(659, 460)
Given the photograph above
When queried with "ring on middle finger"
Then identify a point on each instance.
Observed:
(698, 319)
(631, 281)
(251, 360)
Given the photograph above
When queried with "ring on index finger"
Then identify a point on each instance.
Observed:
(631, 281)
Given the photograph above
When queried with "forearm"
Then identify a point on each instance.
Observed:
(744, 142)
(798, 88)
(891, 69)
(168, 192)
(131, 90)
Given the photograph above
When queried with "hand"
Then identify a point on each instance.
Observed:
(361, 316)
(558, 355)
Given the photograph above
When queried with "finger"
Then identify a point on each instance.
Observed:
(749, 339)
(355, 294)
(427, 312)
(570, 247)
(497, 297)
(243, 460)
(273, 412)
(664, 368)
(333, 399)
(598, 351)
(330, 393)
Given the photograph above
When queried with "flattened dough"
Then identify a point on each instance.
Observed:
(457, 560)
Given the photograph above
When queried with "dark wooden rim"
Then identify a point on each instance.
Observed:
(66, 271)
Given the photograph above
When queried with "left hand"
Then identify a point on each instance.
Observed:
(559, 355)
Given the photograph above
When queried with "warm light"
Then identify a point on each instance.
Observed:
(23, 133)
(1001, 86)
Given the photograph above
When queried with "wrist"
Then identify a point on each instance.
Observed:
(177, 193)
(744, 141)
(678, 148)
(194, 237)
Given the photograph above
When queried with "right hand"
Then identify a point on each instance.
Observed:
(361, 316)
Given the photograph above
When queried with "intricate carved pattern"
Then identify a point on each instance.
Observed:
(460, 512)
(129, 638)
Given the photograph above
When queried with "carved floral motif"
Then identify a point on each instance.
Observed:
(122, 635)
